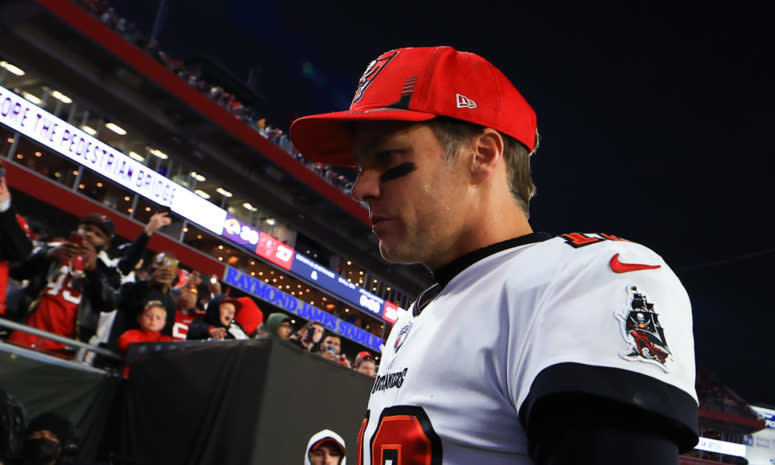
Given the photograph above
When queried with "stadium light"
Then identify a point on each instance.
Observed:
(89, 130)
(32, 98)
(197, 176)
(13, 69)
(270, 221)
(116, 128)
(202, 194)
(250, 207)
(136, 156)
(158, 153)
(223, 192)
(61, 97)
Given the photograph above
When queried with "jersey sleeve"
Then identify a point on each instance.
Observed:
(614, 324)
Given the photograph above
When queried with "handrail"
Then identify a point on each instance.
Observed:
(83, 348)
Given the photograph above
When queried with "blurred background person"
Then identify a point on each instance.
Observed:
(278, 324)
(218, 322)
(365, 363)
(325, 448)
(15, 243)
(135, 295)
(309, 335)
(69, 284)
(48, 438)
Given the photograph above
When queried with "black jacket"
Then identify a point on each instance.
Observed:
(99, 295)
(198, 329)
(131, 301)
(14, 243)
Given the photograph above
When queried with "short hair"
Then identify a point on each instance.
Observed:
(359, 361)
(453, 133)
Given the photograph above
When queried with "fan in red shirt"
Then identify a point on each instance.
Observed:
(185, 313)
(151, 321)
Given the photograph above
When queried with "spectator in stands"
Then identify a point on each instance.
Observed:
(15, 243)
(126, 257)
(185, 312)
(308, 336)
(218, 322)
(72, 284)
(151, 321)
(134, 295)
(279, 324)
(47, 439)
(331, 348)
(365, 363)
(325, 448)
(249, 316)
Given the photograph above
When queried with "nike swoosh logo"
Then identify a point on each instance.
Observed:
(620, 267)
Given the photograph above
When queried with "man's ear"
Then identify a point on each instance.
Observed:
(487, 153)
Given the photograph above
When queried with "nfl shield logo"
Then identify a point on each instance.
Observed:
(402, 335)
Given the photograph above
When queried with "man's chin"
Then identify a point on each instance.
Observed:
(395, 255)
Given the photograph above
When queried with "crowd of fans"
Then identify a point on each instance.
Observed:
(81, 288)
(227, 100)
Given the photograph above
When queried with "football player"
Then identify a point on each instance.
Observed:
(528, 349)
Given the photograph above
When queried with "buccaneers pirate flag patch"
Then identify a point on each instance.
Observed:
(641, 329)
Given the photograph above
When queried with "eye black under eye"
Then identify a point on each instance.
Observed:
(397, 171)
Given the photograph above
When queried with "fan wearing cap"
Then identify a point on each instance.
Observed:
(70, 285)
(365, 364)
(325, 448)
(218, 322)
(523, 351)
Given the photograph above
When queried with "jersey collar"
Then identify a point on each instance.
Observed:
(444, 275)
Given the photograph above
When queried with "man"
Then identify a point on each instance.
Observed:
(325, 448)
(15, 243)
(278, 324)
(47, 439)
(133, 297)
(365, 364)
(528, 349)
(70, 283)
(309, 335)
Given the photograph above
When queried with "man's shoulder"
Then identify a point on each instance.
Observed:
(576, 250)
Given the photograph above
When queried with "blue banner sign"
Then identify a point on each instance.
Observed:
(274, 296)
(324, 278)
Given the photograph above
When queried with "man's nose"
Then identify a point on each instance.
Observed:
(366, 186)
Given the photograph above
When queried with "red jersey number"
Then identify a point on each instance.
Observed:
(404, 436)
(64, 283)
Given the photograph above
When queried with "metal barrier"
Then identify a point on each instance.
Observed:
(82, 348)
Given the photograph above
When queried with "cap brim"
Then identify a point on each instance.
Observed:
(324, 138)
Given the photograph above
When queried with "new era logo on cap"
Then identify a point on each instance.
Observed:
(464, 102)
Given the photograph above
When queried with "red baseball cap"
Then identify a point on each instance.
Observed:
(418, 84)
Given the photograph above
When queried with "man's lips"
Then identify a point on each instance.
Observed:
(375, 220)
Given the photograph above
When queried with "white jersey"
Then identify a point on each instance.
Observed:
(453, 379)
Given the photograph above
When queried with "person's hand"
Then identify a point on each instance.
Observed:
(89, 254)
(342, 360)
(214, 287)
(157, 220)
(327, 355)
(194, 279)
(5, 194)
(63, 252)
(217, 333)
(162, 275)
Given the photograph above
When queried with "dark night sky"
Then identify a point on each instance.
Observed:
(656, 122)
